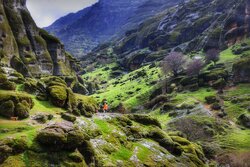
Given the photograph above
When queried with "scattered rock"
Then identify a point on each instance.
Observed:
(68, 117)
(244, 120)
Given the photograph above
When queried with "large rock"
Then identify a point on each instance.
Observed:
(28, 49)
(241, 70)
(244, 119)
(58, 95)
(15, 105)
(61, 136)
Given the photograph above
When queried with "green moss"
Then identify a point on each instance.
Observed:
(58, 92)
(40, 41)
(23, 41)
(7, 109)
(48, 38)
(242, 64)
(122, 154)
(112, 89)
(103, 125)
(8, 85)
(18, 65)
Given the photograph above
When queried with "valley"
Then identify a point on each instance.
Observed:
(174, 77)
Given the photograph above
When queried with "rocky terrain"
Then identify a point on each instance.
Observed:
(196, 114)
(84, 30)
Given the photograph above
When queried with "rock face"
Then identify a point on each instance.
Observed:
(25, 47)
(84, 30)
(190, 26)
(208, 25)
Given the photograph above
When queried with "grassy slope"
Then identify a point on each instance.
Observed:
(127, 91)
(236, 138)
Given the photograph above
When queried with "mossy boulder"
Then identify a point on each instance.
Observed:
(15, 105)
(145, 119)
(167, 107)
(211, 99)
(156, 101)
(30, 86)
(241, 70)
(188, 81)
(3, 78)
(219, 84)
(76, 157)
(42, 118)
(216, 106)
(22, 111)
(68, 117)
(8, 85)
(12, 146)
(214, 75)
(58, 95)
(61, 136)
(244, 120)
(79, 88)
(7, 109)
(165, 141)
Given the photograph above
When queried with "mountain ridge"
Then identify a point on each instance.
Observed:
(103, 20)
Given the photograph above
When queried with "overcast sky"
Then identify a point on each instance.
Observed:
(45, 12)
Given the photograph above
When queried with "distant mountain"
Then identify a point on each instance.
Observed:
(84, 30)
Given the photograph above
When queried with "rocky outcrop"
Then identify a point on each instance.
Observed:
(241, 70)
(208, 25)
(15, 105)
(25, 47)
(61, 136)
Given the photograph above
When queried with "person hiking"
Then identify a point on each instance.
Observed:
(104, 106)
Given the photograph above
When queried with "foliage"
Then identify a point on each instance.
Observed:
(173, 63)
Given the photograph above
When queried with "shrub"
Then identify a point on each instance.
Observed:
(173, 63)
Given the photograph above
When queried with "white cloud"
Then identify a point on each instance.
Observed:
(45, 12)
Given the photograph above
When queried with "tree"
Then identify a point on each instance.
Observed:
(212, 55)
(194, 67)
(173, 63)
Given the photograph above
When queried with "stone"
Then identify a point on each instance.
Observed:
(7, 109)
(21, 111)
(68, 117)
(145, 119)
(211, 99)
(244, 120)
(61, 136)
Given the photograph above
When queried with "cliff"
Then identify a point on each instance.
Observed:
(27, 48)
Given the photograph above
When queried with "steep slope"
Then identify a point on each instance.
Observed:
(192, 26)
(28, 49)
(85, 29)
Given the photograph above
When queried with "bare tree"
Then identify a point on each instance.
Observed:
(173, 63)
(212, 55)
(194, 67)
